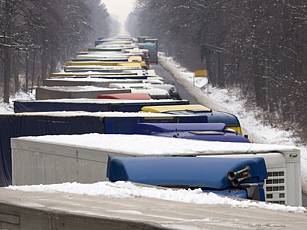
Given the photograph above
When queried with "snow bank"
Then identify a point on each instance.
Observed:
(8, 108)
(231, 101)
(127, 189)
(5, 108)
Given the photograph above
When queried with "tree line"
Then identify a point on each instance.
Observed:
(257, 46)
(36, 35)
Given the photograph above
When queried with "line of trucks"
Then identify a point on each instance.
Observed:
(112, 89)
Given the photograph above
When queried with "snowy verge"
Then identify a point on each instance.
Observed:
(232, 102)
(20, 95)
(127, 190)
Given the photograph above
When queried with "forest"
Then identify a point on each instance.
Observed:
(36, 35)
(256, 46)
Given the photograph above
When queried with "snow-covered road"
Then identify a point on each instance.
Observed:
(127, 189)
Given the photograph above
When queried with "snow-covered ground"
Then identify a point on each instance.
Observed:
(127, 189)
(8, 108)
(231, 101)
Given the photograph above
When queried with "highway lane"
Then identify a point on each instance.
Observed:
(38, 210)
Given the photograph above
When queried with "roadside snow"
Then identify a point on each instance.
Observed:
(5, 108)
(127, 189)
(231, 101)
(8, 108)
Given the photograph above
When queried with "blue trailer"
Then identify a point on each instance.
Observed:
(231, 121)
(206, 136)
(131, 125)
(152, 47)
(195, 131)
(240, 177)
(18, 125)
(89, 105)
(56, 123)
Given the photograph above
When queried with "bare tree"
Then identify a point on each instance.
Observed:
(257, 46)
(35, 35)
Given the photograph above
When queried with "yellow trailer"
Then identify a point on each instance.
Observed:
(85, 74)
(102, 63)
(173, 108)
(210, 116)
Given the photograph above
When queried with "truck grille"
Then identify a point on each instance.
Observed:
(275, 186)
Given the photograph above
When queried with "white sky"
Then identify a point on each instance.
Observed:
(119, 9)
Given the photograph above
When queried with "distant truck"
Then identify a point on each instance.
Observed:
(152, 45)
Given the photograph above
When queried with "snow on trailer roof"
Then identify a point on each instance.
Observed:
(126, 96)
(119, 59)
(119, 46)
(97, 73)
(118, 38)
(98, 82)
(141, 72)
(110, 54)
(92, 54)
(75, 88)
(138, 85)
(153, 92)
(134, 85)
(103, 101)
(100, 68)
(145, 85)
(90, 105)
(109, 48)
(136, 63)
(100, 76)
(88, 114)
(59, 92)
(131, 66)
(158, 146)
(104, 75)
(94, 79)
(154, 80)
(170, 108)
(135, 50)
(100, 58)
(117, 41)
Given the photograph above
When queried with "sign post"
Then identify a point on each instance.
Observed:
(200, 73)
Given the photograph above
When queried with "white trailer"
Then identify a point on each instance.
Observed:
(83, 158)
(59, 92)
(156, 91)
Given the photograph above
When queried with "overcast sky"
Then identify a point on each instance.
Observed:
(119, 9)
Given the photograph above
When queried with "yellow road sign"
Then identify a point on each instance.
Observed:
(201, 73)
